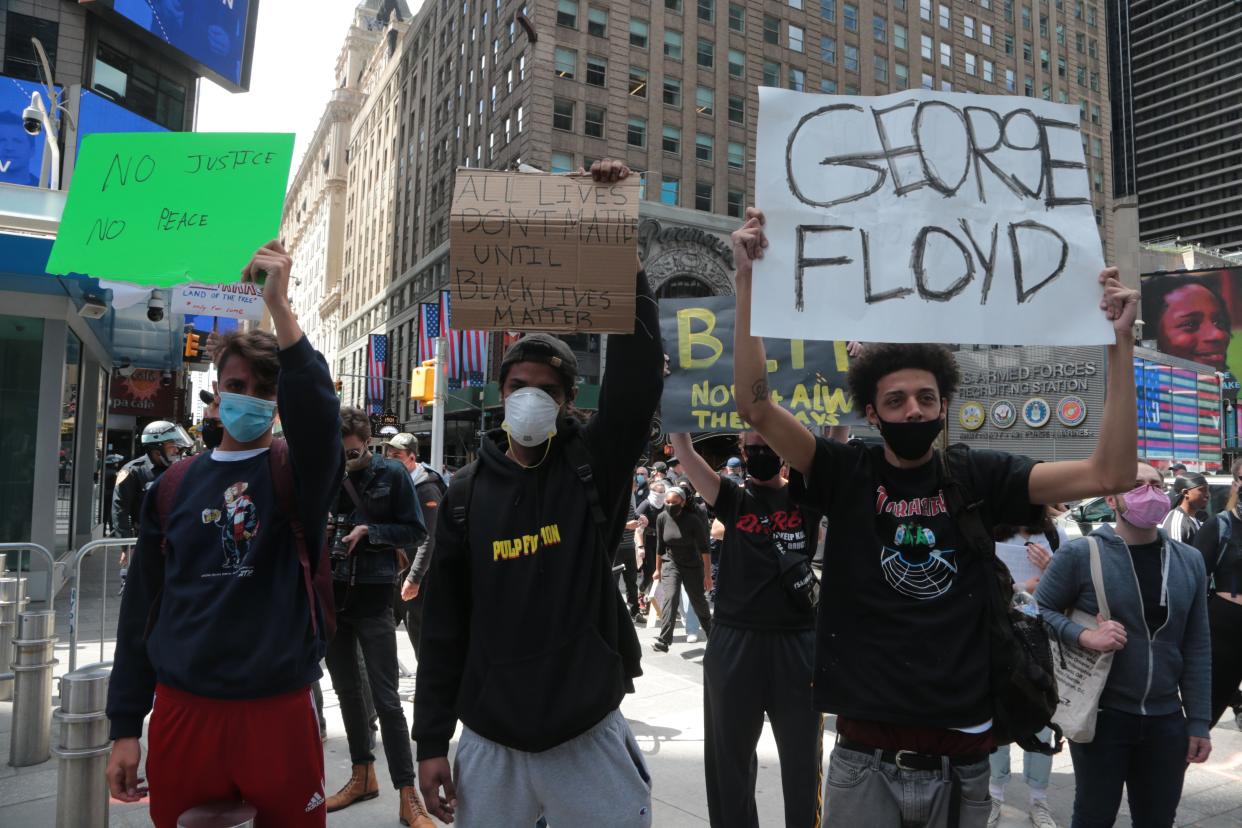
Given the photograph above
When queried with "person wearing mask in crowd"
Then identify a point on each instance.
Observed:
(1041, 541)
(429, 488)
(526, 639)
(1220, 542)
(640, 477)
(1155, 709)
(758, 660)
(682, 547)
(898, 644)
(648, 512)
(675, 475)
(1190, 499)
(377, 517)
(659, 471)
(212, 430)
(221, 620)
(733, 471)
(626, 552)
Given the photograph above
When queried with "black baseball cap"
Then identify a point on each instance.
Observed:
(545, 348)
(1186, 482)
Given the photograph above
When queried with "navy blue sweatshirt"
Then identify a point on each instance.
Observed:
(525, 637)
(223, 613)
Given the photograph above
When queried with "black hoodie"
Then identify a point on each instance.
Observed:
(525, 638)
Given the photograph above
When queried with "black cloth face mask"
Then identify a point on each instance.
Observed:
(213, 433)
(911, 439)
(762, 463)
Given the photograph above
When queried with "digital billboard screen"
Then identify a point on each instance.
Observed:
(98, 114)
(1178, 414)
(21, 154)
(214, 34)
(1196, 315)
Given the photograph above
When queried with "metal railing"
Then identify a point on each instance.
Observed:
(78, 557)
(50, 593)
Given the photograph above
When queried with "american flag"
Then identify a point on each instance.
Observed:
(428, 332)
(474, 379)
(377, 359)
(454, 383)
(453, 358)
(474, 352)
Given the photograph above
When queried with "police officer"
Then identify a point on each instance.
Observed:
(162, 443)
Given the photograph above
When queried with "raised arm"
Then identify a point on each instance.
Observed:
(782, 431)
(1110, 468)
(706, 482)
(270, 268)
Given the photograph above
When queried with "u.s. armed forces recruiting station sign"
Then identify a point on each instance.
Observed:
(1043, 402)
(926, 217)
(807, 378)
(543, 252)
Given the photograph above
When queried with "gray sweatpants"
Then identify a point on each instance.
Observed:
(598, 779)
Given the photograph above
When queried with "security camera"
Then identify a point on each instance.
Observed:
(155, 307)
(125, 368)
(166, 379)
(32, 120)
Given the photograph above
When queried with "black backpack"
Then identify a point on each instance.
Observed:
(1023, 684)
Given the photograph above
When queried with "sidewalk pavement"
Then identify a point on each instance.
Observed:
(666, 715)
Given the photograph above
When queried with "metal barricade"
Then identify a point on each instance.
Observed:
(50, 592)
(33, 663)
(81, 748)
(75, 590)
(13, 602)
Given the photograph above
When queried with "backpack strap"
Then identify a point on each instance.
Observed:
(282, 483)
(1054, 539)
(580, 459)
(963, 507)
(166, 495)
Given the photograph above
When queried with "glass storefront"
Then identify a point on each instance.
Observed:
(21, 353)
(101, 494)
(68, 435)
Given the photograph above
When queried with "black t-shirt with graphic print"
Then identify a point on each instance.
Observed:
(901, 635)
(749, 593)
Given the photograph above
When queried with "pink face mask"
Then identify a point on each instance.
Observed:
(1145, 507)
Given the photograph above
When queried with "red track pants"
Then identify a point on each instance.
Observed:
(263, 751)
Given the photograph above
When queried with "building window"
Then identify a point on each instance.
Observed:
(1060, 34)
(563, 114)
(901, 74)
(828, 50)
(988, 71)
(21, 61)
(925, 10)
(851, 17)
(132, 84)
(797, 79)
(771, 29)
(706, 53)
(672, 92)
(594, 122)
(1008, 44)
(566, 62)
(795, 4)
(879, 29)
(1097, 148)
(672, 44)
(704, 148)
(928, 81)
(1095, 81)
(1095, 113)
(597, 22)
(771, 73)
(1028, 53)
(673, 6)
(1043, 26)
(1097, 180)
(707, 10)
(970, 62)
(672, 140)
(881, 69)
(737, 157)
(925, 46)
(1028, 87)
(670, 188)
(567, 13)
(735, 198)
(968, 25)
(946, 19)
(1082, 76)
(946, 55)
(851, 58)
(639, 33)
(1009, 80)
(636, 132)
(900, 36)
(795, 38)
(737, 18)
(828, 86)
(562, 162)
(704, 101)
(1026, 18)
(1062, 71)
(985, 34)
(828, 10)
(737, 109)
(703, 196)
(638, 81)
(596, 70)
(737, 64)
(1043, 59)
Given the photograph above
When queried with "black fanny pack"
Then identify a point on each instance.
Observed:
(797, 577)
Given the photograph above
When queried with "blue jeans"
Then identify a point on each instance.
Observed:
(1146, 754)
(693, 627)
(1036, 767)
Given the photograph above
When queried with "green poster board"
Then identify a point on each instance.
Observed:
(169, 208)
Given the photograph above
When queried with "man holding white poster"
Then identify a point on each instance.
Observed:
(933, 217)
(913, 632)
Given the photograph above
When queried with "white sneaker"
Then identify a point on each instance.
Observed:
(995, 815)
(692, 639)
(1041, 817)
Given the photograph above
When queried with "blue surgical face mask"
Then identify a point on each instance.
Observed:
(246, 417)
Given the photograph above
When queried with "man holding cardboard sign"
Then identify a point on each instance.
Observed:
(910, 601)
(526, 639)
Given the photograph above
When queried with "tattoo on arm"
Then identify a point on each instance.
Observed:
(761, 392)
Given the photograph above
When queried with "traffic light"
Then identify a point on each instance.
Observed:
(423, 382)
(193, 345)
(339, 387)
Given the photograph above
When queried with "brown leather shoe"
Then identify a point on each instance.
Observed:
(412, 811)
(362, 785)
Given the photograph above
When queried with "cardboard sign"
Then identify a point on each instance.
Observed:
(926, 217)
(806, 378)
(543, 252)
(169, 208)
(243, 300)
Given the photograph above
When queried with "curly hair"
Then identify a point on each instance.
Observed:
(878, 361)
(355, 422)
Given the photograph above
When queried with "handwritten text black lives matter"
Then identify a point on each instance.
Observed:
(1011, 156)
(547, 252)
